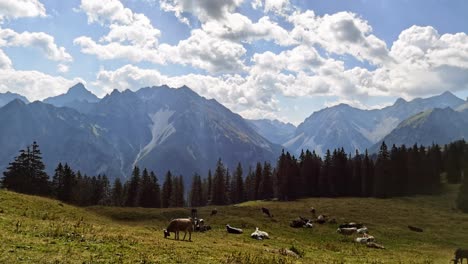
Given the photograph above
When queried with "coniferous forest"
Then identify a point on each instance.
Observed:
(393, 171)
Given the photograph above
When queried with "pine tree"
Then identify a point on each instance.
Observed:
(196, 194)
(156, 191)
(57, 180)
(26, 173)
(209, 189)
(238, 185)
(266, 186)
(117, 193)
(133, 188)
(177, 195)
(258, 180)
(249, 186)
(382, 172)
(228, 187)
(166, 190)
(146, 190)
(65, 190)
(219, 184)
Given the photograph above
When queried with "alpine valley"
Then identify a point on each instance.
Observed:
(162, 128)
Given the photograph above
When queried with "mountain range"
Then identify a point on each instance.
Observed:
(353, 128)
(158, 128)
(162, 128)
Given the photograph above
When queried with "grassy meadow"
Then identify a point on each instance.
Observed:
(41, 230)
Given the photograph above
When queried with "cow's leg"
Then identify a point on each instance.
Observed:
(185, 233)
(190, 235)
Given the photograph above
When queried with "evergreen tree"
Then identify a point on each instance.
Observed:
(258, 180)
(166, 190)
(228, 187)
(156, 191)
(196, 194)
(66, 183)
(117, 193)
(249, 186)
(147, 190)
(382, 172)
(133, 188)
(57, 180)
(26, 173)
(209, 189)
(266, 186)
(219, 184)
(238, 185)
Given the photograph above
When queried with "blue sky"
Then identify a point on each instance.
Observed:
(261, 58)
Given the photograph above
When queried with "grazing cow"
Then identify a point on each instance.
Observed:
(346, 231)
(460, 254)
(259, 235)
(179, 224)
(214, 211)
(415, 229)
(233, 230)
(322, 219)
(312, 210)
(266, 211)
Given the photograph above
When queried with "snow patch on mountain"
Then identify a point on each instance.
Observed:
(161, 129)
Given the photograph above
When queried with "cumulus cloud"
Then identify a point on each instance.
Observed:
(34, 85)
(5, 62)
(204, 51)
(239, 28)
(280, 7)
(339, 33)
(204, 10)
(40, 40)
(13, 9)
(62, 68)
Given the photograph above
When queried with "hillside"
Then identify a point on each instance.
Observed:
(40, 230)
(440, 126)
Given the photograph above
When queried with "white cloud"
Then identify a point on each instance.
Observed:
(280, 7)
(239, 28)
(204, 51)
(62, 68)
(339, 33)
(13, 9)
(34, 85)
(115, 50)
(5, 62)
(204, 10)
(40, 40)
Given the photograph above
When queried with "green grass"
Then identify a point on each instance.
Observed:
(40, 230)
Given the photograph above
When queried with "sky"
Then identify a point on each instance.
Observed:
(276, 59)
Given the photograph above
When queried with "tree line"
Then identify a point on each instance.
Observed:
(398, 171)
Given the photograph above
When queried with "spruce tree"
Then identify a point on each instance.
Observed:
(382, 173)
(156, 191)
(26, 173)
(258, 180)
(219, 184)
(146, 190)
(266, 186)
(196, 193)
(117, 193)
(238, 185)
(166, 190)
(133, 188)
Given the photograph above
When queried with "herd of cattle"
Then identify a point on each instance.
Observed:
(357, 230)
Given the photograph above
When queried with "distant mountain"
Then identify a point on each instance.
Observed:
(352, 128)
(63, 134)
(439, 126)
(158, 128)
(77, 94)
(7, 97)
(273, 130)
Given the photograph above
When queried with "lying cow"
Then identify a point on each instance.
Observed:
(301, 222)
(259, 235)
(347, 231)
(233, 230)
